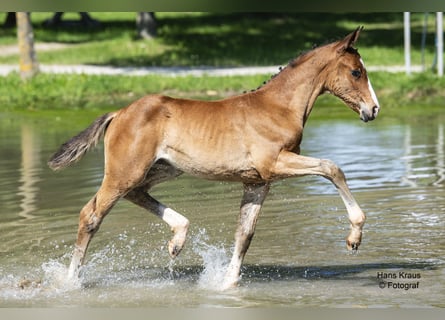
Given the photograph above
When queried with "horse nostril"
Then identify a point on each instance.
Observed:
(375, 110)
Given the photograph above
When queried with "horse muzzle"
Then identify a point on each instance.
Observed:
(369, 114)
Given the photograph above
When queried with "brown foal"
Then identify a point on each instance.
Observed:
(252, 138)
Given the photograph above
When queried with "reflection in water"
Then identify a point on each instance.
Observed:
(390, 156)
(298, 255)
(406, 158)
(424, 162)
(440, 153)
(30, 168)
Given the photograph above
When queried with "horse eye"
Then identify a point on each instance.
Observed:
(356, 73)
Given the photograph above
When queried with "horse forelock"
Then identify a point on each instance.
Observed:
(353, 51)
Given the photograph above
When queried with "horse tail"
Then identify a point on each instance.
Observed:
(73, 150)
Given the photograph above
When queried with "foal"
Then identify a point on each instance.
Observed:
(253, 138)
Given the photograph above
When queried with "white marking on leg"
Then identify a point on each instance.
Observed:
(173, 218)
(251, 217)
(356, 218)
(73, 271)
(76, 261)
(179, 225)
(247, 227)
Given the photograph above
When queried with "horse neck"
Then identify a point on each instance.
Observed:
(297, 86)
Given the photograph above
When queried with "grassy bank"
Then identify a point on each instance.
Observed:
(77, 92)
(48, 91)
(213, 39)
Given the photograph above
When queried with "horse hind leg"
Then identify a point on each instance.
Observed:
(114, 186)
(177, 222)
(161, 172)
(91, 216)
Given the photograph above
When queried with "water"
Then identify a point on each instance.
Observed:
(297, 257)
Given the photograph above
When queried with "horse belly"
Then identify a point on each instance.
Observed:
(213, 165)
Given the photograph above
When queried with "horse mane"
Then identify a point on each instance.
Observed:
(291, 64)
(298, 60)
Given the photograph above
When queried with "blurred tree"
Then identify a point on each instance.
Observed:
(28, 60)
(146, 25)
(10, 20)
(85, 21)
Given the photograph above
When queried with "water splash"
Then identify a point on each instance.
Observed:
(215, 261)
(56, 278)
(122, 263)
(47, 280)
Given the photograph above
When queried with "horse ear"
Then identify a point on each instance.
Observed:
(349, 40)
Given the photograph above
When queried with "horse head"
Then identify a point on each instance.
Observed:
(347, 78)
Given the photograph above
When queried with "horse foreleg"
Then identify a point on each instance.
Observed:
(253, 198)
(177, 222)
(91, 217)
(290, 164)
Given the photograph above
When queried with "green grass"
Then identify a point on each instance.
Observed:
(47, 91)
(81, 92)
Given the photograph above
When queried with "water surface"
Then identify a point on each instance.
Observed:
(297, 258)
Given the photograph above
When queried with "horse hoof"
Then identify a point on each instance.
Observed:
(228, 285)
(352, 246)
(174, 249)
(176, 244)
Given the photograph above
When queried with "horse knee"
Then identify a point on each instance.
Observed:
(333, 172)
(92, 225)
(89, 223)
(90, 217)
